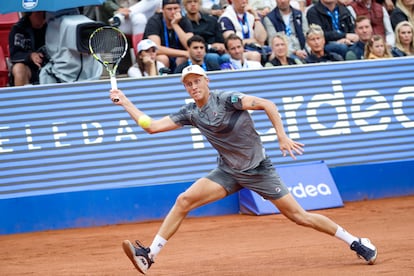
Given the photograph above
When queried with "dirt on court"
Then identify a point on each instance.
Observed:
(235, 245)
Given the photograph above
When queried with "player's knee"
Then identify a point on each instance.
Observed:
(183, 203)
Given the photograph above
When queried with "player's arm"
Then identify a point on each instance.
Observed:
(154, 126)
(286, 144)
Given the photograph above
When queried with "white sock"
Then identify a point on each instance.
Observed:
(156, 246)
(342, 234)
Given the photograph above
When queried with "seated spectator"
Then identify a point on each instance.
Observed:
(376, 48)
(404, 41)
(315, 39)
(262, 7)
(404, 11)
(378, 15)
(240, 19)
(363, 29)
(292, 23)
(337, 24)
(388, 4)
(207, 27)
(197, 55)
(26, 43)
(146, 63)
(213, 7)
(170, 32)
(234, 46)
(132, 18)
(107, 10)
(280, 56)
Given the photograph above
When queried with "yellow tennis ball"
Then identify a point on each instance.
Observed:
(144, 121)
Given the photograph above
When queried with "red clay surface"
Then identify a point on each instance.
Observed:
(232, 245)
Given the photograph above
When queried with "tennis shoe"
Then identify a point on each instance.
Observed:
(139, 255)
(365, 250)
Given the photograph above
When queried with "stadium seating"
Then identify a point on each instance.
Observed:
(4, 71)
(6, 23)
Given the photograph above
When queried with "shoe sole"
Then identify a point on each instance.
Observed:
(129, 250)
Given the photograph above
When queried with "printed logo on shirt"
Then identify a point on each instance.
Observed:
(234, 99)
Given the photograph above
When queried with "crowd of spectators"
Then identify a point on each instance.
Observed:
(234, 34)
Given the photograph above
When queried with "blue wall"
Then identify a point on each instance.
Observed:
(70, 158)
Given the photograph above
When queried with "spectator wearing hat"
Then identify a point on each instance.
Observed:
(146, 63)
(169, 30)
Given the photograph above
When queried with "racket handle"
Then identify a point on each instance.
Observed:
(114, 86)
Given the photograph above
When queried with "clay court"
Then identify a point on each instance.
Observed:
(232, 245)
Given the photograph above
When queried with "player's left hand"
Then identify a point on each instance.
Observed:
(117, 94)
(287, 145)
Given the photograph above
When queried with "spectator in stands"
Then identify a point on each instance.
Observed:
(376, 48)
(262, 7)
(26, 43)
(207, 27)
(213, 7)
(280, 49)
(315, 39)
(363, 29)
(197, 55)
(170, 32)
(378, 16)
(337, 24)
(239, 18)
(234, 46)
(146, 62)
(404, 41)
(290, 21)
(132, 18)
(404, 11)
(108, 9)
(388, 4)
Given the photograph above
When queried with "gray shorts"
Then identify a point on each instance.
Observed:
(263, 180)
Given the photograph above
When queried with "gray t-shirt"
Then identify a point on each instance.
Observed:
(228, 128)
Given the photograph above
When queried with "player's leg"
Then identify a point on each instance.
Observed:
(203, 191)
(289, 207)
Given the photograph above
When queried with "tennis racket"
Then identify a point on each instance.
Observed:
(108, 45)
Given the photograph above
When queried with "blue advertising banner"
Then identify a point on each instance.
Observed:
(69, 137)
(311, 184)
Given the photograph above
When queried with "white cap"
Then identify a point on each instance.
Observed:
(193, 69)
(145, 44)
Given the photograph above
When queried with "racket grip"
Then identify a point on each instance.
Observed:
(114, 85)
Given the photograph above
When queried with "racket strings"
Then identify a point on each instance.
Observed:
(109, 45)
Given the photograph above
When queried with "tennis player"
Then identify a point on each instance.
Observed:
(223, 118)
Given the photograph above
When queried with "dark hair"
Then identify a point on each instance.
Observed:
(195, 38)
(231, 37)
